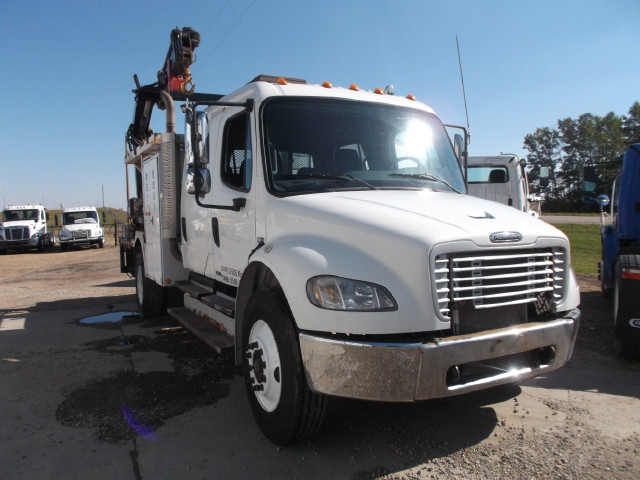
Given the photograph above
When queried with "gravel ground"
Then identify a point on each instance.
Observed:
(579, 422)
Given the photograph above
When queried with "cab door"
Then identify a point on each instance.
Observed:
(233, 232)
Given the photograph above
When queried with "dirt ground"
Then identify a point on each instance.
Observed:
(578, 422)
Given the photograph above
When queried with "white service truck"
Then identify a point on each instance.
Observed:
(80, 227)
(24, 227)
(503, 179)
(324, 236)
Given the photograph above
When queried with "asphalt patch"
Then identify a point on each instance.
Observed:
(132, 404)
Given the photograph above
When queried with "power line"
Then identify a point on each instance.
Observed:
(216, 17)
(226, 34)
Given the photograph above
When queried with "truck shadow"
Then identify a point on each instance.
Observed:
(595, 365)
(437, 427)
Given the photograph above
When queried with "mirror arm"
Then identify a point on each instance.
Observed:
(238, 203)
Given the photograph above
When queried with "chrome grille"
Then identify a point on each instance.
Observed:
(16, 233)
(500, 278)
(80, 234)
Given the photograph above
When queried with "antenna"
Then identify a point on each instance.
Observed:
(464, 95)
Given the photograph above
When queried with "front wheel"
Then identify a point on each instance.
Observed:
(148, 292)
(284, 407)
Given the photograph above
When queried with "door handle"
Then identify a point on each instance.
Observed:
(215, 230)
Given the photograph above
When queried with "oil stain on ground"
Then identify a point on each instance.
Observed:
(128, 404)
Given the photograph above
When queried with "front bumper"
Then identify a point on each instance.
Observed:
(18, 244)
(409, 372)
(81, 241)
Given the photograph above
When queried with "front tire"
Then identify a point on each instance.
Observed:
(148, 292)
(284, 407)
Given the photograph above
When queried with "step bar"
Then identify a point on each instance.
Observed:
(203, 328)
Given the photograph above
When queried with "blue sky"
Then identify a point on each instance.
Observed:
(68, 66)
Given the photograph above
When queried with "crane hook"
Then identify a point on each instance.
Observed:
(187, 87)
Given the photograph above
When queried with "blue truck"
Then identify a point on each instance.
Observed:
(619, 268)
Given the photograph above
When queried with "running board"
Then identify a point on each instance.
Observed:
(221, 304)
(193, 289)
(203, 328)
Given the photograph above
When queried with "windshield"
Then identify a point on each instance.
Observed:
(17, 215)
(69, 218)
(315, 145)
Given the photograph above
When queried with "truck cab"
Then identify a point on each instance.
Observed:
(500, 178)
(24, 227)
(80, 227)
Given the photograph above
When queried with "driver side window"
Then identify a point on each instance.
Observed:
(236, 154)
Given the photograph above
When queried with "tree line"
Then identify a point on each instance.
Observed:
(574, 144)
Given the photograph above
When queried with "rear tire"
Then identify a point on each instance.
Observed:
(284, 407)
(148, 292)
(626, 305)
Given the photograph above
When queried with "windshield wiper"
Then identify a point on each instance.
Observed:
(423, 176)
(342, 177)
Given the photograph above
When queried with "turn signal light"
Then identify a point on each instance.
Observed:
(411, 96)
(282, 81)
(327, 84)
(353, 86)
(379, 91)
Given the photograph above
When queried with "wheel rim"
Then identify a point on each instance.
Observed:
(264, 366)
(139, 287)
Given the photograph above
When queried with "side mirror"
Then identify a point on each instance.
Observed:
(202, 138)
(602, 200)
(544, 177)
(459, 148)
(590, 177)
(198, 180)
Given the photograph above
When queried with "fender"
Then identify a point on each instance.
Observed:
(294, 260)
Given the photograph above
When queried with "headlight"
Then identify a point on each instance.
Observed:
(98, 232)
(336, 293)
(64, 234)
(35, 235)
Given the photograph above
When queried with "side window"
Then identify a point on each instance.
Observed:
(236, 154)
(487, 175)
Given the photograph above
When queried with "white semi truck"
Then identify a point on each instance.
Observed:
(324, 236)
(80, 227)
(24, 227)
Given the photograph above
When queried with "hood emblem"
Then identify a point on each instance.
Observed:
(505, 237)
(481, 215)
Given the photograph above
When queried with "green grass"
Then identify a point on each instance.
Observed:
(585, 246)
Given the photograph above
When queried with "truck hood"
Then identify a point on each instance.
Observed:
(423, 216)
(18, 223)
(72, 227)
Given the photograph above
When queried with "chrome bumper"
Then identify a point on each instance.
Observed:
(449, 366)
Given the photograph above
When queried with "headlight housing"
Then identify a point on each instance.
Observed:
(64, 234)
(337, 293)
